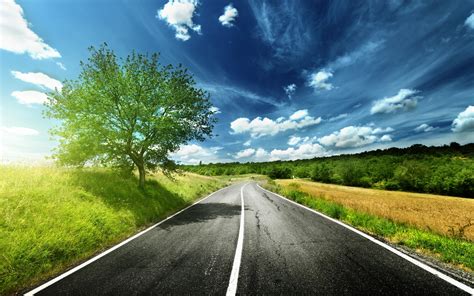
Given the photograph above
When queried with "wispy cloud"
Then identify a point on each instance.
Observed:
(40, 79)
(283, 26)
(19, 131)
(17, 36)
(30, 97)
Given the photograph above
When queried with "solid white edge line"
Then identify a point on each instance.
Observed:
(431, 270)
(234, 276)
(71, 271)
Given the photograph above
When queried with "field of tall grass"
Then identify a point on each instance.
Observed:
(52, 218)
(448, 247)
(451, 216)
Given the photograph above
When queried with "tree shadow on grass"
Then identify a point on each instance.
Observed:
(121, 192)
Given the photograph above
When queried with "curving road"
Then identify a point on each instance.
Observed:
(282, 248)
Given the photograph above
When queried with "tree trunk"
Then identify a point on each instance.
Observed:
(141, 171)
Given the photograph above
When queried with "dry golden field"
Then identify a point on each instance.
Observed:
(442, 214)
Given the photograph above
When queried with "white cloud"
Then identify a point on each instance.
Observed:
(340, 116)
(290, 90)
(245, 153)
(354, 136)
(17, 37)
(299, 114)
(424, 128)
(293, 140)
(30, 97)
(259, 127)
(193, 154)
(230, 13)
(19, 131)
(361, 53)
(179, 15)
(404, 100)
(304, 151)
(470, 21)
(319, 80)
(248, 143)
(215, 110)
(61, 65)
(39, 79)
(464, 121)
(261, 154)
(380, 130)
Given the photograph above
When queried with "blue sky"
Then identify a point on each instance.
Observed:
(290, 79)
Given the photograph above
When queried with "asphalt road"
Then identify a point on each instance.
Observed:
(285, 249)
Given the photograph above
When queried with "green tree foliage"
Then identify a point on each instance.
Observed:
(128, 112)
(447, 170)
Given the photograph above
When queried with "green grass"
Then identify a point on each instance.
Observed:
(455, 251)
(52, 218)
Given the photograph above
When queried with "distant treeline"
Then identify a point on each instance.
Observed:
(447, 170)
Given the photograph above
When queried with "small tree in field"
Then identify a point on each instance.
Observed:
(128, 113)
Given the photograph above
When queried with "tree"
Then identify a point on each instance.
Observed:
(128, 112)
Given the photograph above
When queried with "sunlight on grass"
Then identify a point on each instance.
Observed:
(51, 218)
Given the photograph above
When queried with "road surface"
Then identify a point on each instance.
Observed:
(282, 248)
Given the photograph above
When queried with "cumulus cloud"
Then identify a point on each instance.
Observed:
(248, 143)
(354, 136)
(19, 131)
(464, 121)
(16, 35)
(193, 154)
(230, 13)
(30, 97)
(319, 80)
(404, 100)
(40, 79)
(424, 128)
(295, 140)
(299, 114)
(290, 90)
(470, 21)
(245, 153)
(259, 127)
(304, 151)
(179, 15)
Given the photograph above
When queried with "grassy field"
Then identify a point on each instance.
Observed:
(52, 218)
(452, 216)
(358, 211)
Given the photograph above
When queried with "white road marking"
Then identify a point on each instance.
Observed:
(69, 272)
(431, 270)
(234, 276)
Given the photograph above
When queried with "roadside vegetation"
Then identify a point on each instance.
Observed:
(446, 170)
(452, 248)
(52, 218)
